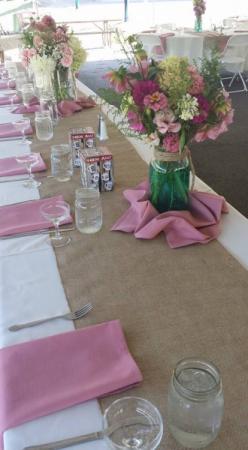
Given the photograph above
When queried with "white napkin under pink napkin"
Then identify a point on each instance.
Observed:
(9, 166)
(8, 130)
(199, 224)
(26, 216)
(46, 375)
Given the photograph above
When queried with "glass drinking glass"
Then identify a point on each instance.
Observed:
(29, 161)
(27, 92)
(132, 423)
(88, 210)
(195, 403)
(49, 103)
(22, 125)
(43, 126)
(55, 212)
(20, 80)
(61, 162)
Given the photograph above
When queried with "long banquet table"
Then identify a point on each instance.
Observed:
(171, 303)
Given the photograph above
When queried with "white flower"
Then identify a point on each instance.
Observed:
(187, 107)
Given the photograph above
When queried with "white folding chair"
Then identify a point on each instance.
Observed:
(235, 60)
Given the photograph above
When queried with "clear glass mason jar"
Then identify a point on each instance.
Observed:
(195, 403)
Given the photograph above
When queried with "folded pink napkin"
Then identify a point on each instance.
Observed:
(8, 130)
(33, 107)
(9, 166)
(6, 85)
(68, 107)
(46, 375)
(26, 216)
(199, 224)
(7, 101)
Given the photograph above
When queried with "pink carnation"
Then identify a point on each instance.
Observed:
(197, 85)
(49, 22)
(156, 101)
(171, 142)
(204, 108)
(143, 88)
(38, 42)
(66, 61)
(165, 122)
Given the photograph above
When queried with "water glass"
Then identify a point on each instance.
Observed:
(49, 103)
(27, 92)
(43, 126)
(134, 423)
(29, 161)
(22, 125)
(88, 210)
(20, 80)
(195, 403)
(61, 162)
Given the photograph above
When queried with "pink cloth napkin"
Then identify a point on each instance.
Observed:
(9, 166)
(46, 375)
(6, 85)
(8, 130)
(198, 225)
(26, 216)
(68, 107)
(33, 106)
(6, 100)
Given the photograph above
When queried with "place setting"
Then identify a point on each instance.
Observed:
(118, 327)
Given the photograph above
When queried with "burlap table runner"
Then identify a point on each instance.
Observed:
(171, 303)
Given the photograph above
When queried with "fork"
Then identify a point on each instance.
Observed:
(68, 316)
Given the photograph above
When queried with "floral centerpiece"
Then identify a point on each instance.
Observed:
(52, 52)
(199, 7)
(170, 103)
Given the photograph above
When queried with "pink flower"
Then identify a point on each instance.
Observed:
(171, 142)
(144, 66)
(156, 101)
(197, 85)
(38, 42)
(66, 61)
(27, 54)
(117, 82)
(39, 26)
(143, 88)
(60, 35)
(204, 108)
(135, 122)
(216, 130)
(165, 122)
(49, 22)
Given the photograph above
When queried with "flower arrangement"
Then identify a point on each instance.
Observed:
(199, 7)
(171, 102)
(46, 39)
(50, 50)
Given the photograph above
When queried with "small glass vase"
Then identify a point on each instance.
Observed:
(169, 182)
(64, 85)
(198, 24)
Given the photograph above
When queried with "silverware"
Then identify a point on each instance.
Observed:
(68, 316)
(36, 232)
(68, 442)
(16, 138)
(37, 177)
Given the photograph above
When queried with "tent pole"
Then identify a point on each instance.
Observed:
(125, 10)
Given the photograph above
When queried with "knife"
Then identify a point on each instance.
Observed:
(35, 232)
(68, 442)
(36, 177)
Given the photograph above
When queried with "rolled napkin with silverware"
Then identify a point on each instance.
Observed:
(53, 373)
(26, 217)
(10, 166)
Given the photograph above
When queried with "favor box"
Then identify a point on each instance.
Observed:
(79, 139)
(97, 168)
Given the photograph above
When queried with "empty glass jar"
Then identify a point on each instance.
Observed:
(195, 403)
(43, 125)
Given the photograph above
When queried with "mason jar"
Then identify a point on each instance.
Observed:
(195, 403)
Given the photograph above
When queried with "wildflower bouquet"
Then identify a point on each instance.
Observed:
(171, 103)
(199, 7)
(49, 48)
